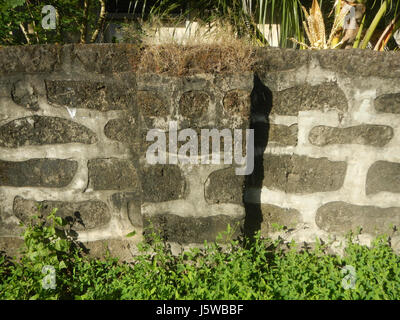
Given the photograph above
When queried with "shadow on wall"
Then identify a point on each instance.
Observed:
(261, 105)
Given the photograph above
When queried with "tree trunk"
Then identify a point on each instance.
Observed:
(100, 22)
(84, 26)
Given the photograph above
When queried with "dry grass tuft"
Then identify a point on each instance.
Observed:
(175, 59)
(207, 49)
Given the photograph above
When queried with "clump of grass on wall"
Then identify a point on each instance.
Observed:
(179, 60)
(202, 48)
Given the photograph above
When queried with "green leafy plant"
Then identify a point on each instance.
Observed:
(46, 243)
(224, 269)
(248, 18)
(368, 24)
(21, 21)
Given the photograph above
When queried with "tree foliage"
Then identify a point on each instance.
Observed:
(21, 21)
(84, 21)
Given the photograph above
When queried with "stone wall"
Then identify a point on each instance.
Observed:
(332, 161)
(73, 125)
(73, 122)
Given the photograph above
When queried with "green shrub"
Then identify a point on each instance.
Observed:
(258, 270)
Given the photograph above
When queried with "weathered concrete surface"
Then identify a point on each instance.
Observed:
(37, 130)
(132, 202)
(274, 215)
(87, 214)
(327, 131)
(305, 97)
(11, 246)
(189, 229)
(237, 101)
(282, 135)
(113, 174)
(162, 183)
(275, 60)
(354, 125)
(29, 59)
(359, 63)
(224, 186)
(109, 59)
(101, 96)
(25, 95)
(299, 174)
(388, 103)
(122, 130)
(124, 250)
(383, 176)
(194, 104)
(52, 173)
(339, 217)
(151, 104)
(373, 135)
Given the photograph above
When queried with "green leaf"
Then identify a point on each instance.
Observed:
(130, 234)
(14, 3)
(34, 297)
(58, 220)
